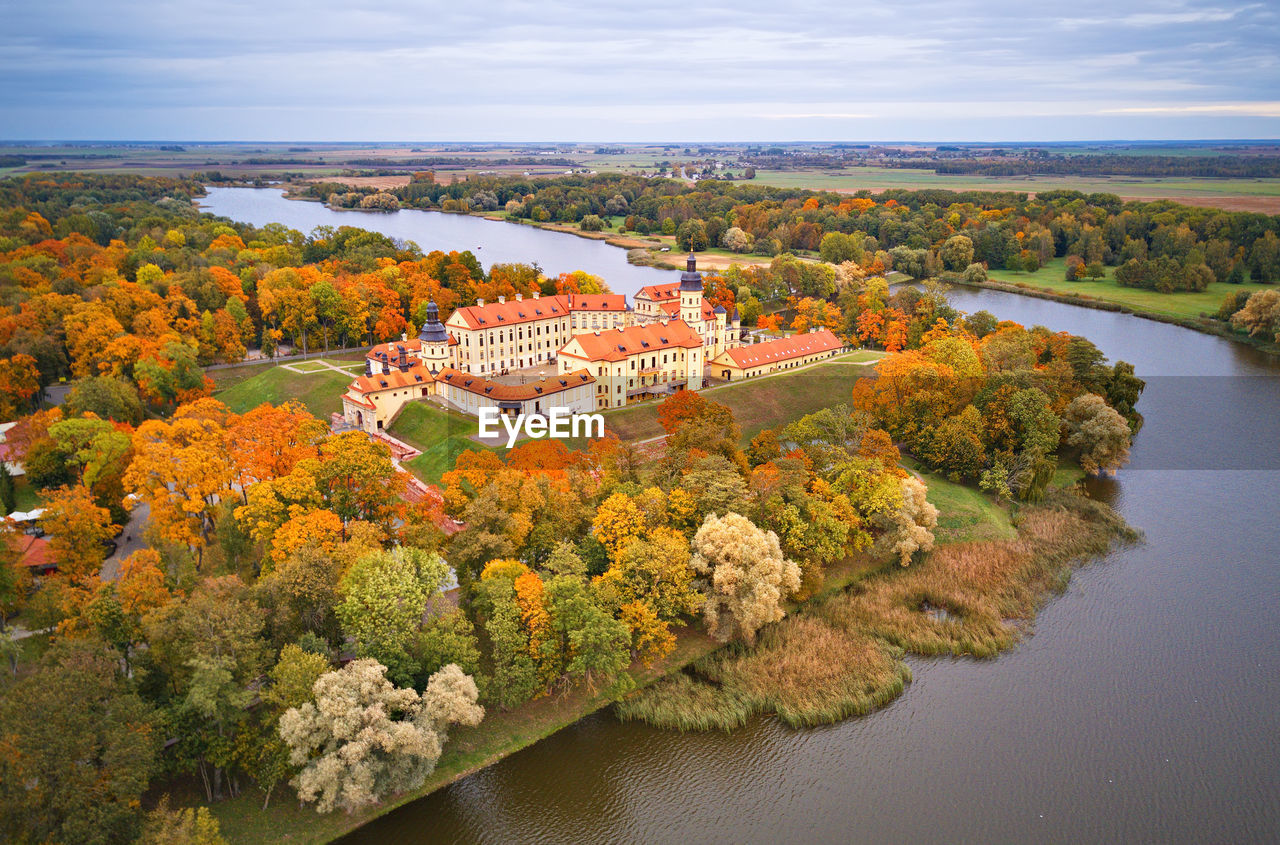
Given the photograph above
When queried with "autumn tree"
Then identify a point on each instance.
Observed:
(19, 382)
(79, 749)
(747, 577)
(910, 525)
(362, 738)
(78, 532)
(1099, 432)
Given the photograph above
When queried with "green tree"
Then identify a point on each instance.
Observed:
(79, 750)
(383, 599)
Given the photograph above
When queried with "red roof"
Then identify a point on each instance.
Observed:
(658, 293)
(33, 552)
(617, 344)
(673, 308)
(514, 392)
(415, 376)
(784, 348)
(512, 312)
(598, 302)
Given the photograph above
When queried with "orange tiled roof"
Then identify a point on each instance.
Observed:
(617, 344)
(784, 348)
(32, 551)
(598, 302)
(673, 308)
(417, 374)
(512, 312)
(514, 392)
(658, 293)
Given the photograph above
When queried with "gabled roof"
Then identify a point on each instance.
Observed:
(512, 312)
(618, 344)
(598, 302)
(33, 552)
(672, 307)
(782, 349)
(658, 293)
(514, 392)
(415, 376)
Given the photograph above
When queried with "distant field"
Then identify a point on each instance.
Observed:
(1052, 277)
(321, 392)
(441, 435)
(1239, 194)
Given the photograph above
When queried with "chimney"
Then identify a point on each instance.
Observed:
(404, 359)
(502, 300)
(519, 297)
(536, 294)
(386, 366)
(480, 303)
(368, 367)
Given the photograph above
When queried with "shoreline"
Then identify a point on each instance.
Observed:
(1204, 325)
(504, 733)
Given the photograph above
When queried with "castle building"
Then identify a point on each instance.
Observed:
(771, 356)
(638, 362)
(629, 355)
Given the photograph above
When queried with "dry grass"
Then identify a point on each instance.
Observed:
(840, 657)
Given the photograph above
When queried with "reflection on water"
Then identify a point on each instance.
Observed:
(1143, 708)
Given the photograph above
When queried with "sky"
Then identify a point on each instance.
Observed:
(554, 70)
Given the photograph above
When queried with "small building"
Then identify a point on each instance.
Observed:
(33, 553)
(784, 353)
(574, 390)
(638, 362)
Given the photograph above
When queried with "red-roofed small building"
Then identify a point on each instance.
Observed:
(638, 362)
(784, 353)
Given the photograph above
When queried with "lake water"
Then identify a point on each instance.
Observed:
(1145, 707)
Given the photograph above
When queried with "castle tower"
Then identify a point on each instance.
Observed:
(691, 296)
(435, 340)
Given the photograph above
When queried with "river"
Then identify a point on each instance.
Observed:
(491, 241)
(1145, 707)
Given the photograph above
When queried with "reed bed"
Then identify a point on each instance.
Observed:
(840, 657)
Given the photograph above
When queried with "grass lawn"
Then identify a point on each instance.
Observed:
(321, 391)
(760, 403)
(964, 513)
(441, 435)
(25, 497)
(1052, 277)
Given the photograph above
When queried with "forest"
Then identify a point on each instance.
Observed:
(291, 620)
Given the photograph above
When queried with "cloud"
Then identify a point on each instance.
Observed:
(325, 69)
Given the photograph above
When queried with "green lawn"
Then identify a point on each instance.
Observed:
(760, 403)
(964, 513)
(441, 435)
(1052, 277)
(321, 392)
(25, 497)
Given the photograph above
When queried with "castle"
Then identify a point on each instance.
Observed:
(606, 354)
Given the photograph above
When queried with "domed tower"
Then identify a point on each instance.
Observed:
(435, 340)
(691, 295)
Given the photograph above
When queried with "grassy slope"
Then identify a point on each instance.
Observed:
(441, 435)
(1052, 277)
(321, 392)
(760, 403)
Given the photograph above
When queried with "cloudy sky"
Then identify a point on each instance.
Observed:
(338, 70)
